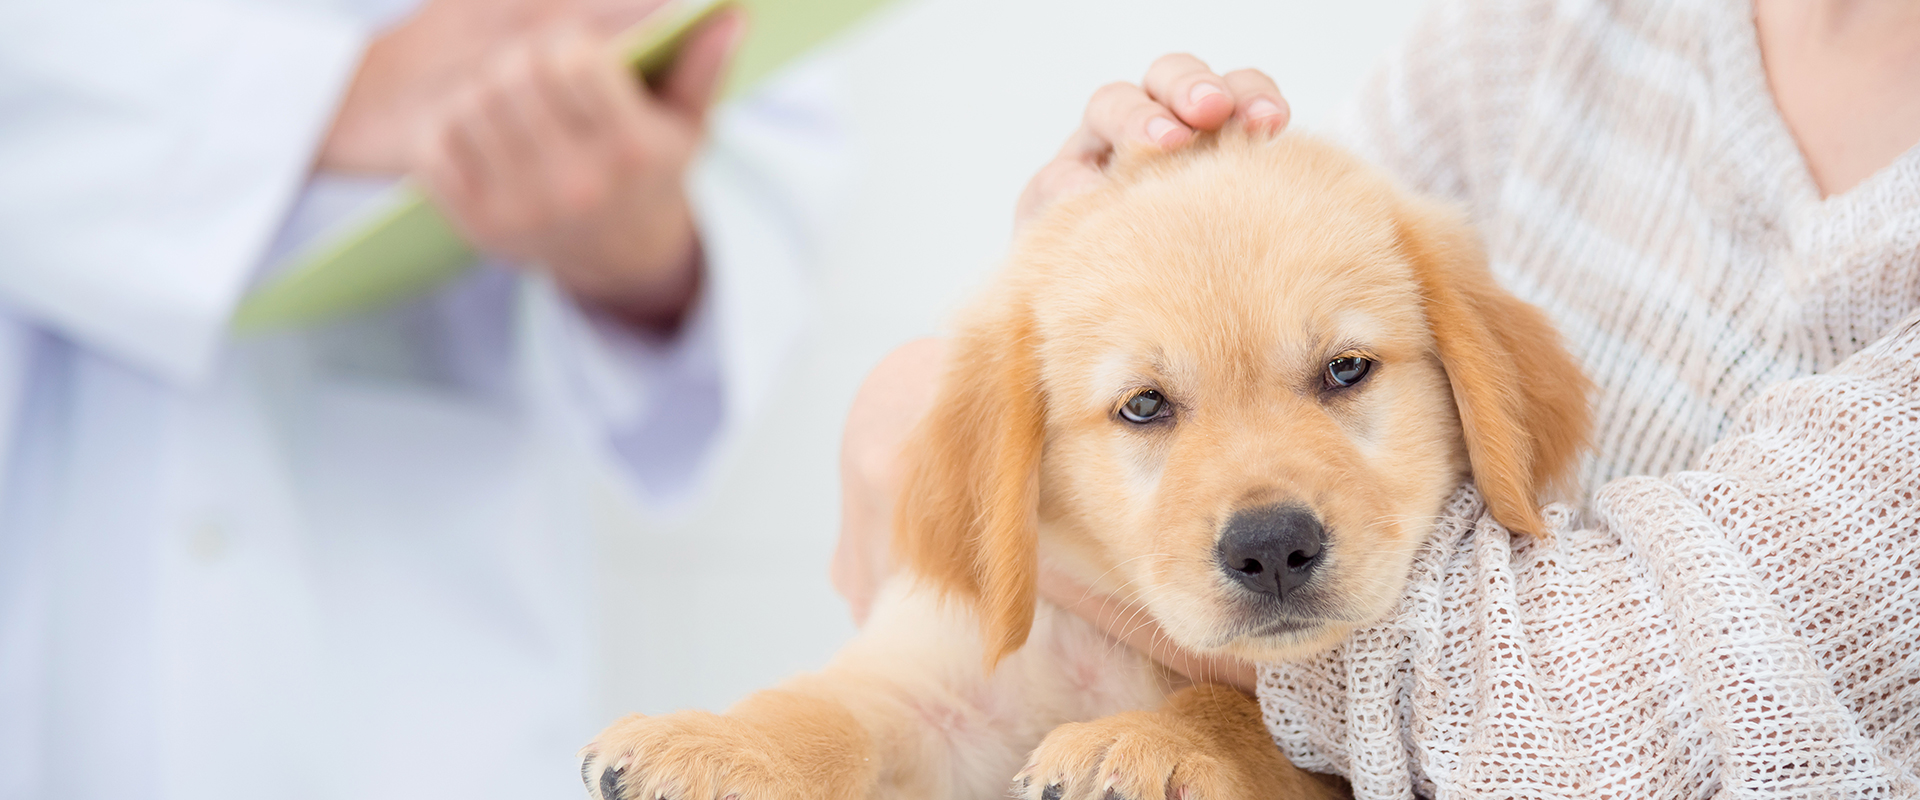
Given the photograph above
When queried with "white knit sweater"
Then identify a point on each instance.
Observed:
(1750, 627)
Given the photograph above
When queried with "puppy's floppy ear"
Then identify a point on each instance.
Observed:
(1522, 398)
(967, 515)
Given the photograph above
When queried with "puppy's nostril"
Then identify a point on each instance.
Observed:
(1300, 559)
(1251, 567)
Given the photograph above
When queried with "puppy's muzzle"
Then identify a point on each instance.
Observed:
(1272, 550)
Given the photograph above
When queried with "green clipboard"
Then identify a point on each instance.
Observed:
(402, 247)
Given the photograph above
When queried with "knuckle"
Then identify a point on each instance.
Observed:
(1115, 102)
(1137, 116)
(1173, 61)
(1117, 90)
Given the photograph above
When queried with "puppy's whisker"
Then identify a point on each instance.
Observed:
(1140, 617)
(1136, 620)
(1102, 576)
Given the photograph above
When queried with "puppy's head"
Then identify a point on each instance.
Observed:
(1237, 384)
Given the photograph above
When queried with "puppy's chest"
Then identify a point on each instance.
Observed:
(1106, 675)
(1069, 671)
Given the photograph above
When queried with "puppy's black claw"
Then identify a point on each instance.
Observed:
(610, 783)
(1112, 794)
(1052, 792)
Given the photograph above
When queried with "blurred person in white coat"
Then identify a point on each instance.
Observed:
(353, 560)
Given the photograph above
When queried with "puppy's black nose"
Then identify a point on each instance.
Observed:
(1272, 549)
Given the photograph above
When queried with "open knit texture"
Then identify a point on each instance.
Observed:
(1747, 629)
(1625, 163)
(1748, 624)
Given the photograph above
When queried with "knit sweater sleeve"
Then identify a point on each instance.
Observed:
(1441, 113)
(1744, 628)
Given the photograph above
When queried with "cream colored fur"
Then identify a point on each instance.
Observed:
(1226, 278)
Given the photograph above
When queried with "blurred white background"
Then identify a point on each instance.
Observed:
(951, 105)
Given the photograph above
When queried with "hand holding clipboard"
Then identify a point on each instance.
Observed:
(405, 247)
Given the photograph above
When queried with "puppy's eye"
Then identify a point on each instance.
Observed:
(1347, 370)
(1144, 407)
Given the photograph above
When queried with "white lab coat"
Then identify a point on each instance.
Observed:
(351, 561)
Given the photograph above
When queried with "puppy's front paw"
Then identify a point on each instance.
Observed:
(1133, 756)
(690, 755)
(775, 745)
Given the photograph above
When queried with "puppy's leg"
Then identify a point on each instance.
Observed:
(907, 709)
(1206, 743)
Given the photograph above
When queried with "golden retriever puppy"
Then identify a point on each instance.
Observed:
(1234, 385)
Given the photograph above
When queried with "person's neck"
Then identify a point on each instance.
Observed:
(1845, 75)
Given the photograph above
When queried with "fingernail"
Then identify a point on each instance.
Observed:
(1163, 130)
(1202, 91)
(1262, 109)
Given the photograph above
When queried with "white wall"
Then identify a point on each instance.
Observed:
(952, 105)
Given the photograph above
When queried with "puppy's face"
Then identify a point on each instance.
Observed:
(1241, 367)
(1248, 426)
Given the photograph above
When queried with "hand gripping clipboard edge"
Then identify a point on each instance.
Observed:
(401, 246)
